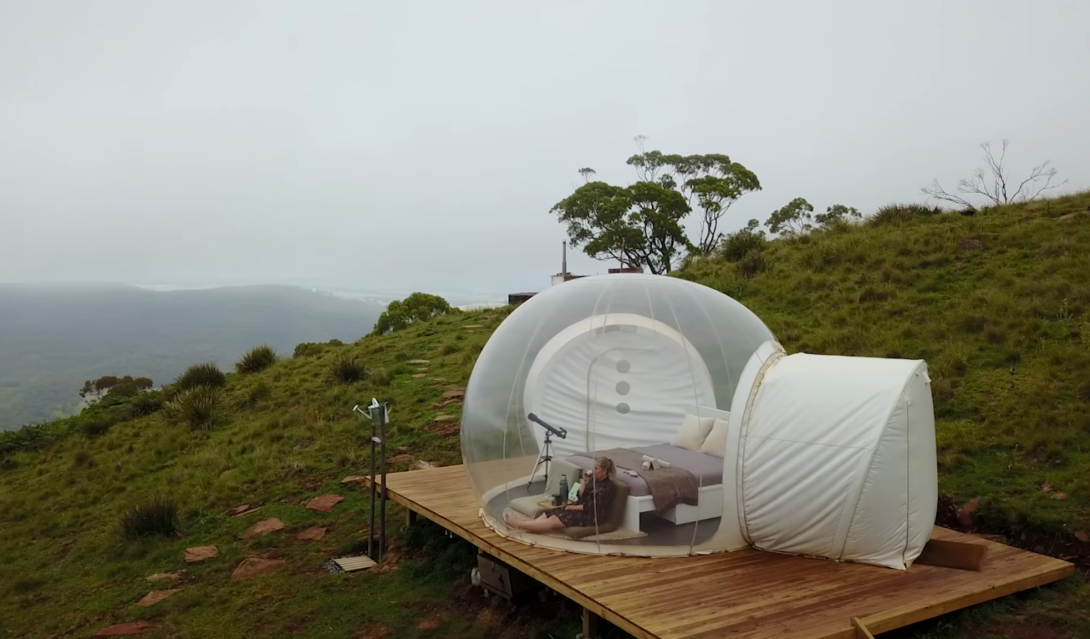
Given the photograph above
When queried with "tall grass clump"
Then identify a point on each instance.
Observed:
(892, 213)
(206, 374)
(157, 516)
(258, 359)
(347, 369)
(200, 407)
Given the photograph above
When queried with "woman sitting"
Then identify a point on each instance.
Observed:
(596, 497)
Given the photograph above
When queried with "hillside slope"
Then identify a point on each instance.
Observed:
(998, 304)
(1002, 323)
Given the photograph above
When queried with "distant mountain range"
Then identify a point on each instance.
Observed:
(53, 337)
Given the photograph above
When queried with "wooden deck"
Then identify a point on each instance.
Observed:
(747, 593)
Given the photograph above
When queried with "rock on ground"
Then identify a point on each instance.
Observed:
(254, 566)
(262, 528)
(325, 503)
(314, 533)
(131, 628)
(155, 596)
(200, 553)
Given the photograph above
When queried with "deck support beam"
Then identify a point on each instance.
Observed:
(410, 517)
(590, 624)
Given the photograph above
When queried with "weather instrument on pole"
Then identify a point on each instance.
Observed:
(377, 414)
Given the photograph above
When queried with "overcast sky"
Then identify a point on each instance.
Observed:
(420, 145)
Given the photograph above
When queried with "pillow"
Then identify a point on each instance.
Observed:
(716, 441)
(693, 431)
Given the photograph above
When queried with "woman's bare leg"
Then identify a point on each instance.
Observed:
(540, 525)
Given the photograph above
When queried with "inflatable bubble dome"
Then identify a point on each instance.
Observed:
(650, 416)
(629, 363)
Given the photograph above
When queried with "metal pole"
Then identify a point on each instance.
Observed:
(371, 525)
(382, 521)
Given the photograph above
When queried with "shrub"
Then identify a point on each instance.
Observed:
(200, 407)
(258, 359)
(307, 349)
(158, 516)
(737, 245)
(347, 369)
(97, 426)
(82, 458)
(752, 264)
(8, 463)
(206, 374)
(147, 403)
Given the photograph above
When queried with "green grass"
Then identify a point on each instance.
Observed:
(284, 434)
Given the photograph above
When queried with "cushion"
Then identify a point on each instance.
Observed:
(716, 441)
(693, 431)
(616, 516)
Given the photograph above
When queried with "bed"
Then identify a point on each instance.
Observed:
(706, 469)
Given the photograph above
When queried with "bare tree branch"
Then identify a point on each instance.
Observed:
(993, 183)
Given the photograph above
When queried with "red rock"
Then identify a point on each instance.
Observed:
(965, 512)
(262, 528)
(200, 553)
(1059, 495)
(314, 533)
(131, 628)
(1082, 536)
(325, 503)
(354, 479)
(166, 576)
(254, 566)
(444, 418)
(155, 596)
(419, 375)
(240, 509)
(397, 459)
(430, 624)
(453, 394)
(1046, 487)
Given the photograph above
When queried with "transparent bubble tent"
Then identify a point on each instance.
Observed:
(719, 440)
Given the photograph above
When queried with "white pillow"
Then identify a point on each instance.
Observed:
(716, 441)
(693, 431)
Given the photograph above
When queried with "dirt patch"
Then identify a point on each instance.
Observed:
(373, 631)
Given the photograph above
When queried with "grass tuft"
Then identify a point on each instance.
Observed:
(347, 369)
(256, 360)
(157, 516)
(200, 407)
(206, 374)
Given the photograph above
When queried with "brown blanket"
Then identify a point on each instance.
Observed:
(668, 486)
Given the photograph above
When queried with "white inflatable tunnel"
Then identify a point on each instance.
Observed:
(837, 459)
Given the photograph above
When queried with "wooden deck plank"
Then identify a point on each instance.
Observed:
(746, 593)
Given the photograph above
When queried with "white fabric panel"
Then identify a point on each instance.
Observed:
(825, 459)
(923, 498)
(783, 512)
(878, 530)
(729, 536)
(617, 381)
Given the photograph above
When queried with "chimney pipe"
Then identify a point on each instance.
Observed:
(564, 263)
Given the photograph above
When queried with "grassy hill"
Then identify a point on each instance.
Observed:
(998, 304)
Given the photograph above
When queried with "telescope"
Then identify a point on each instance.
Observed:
(559, 432)
(546, 454)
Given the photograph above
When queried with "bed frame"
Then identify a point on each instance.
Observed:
(709, 499)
